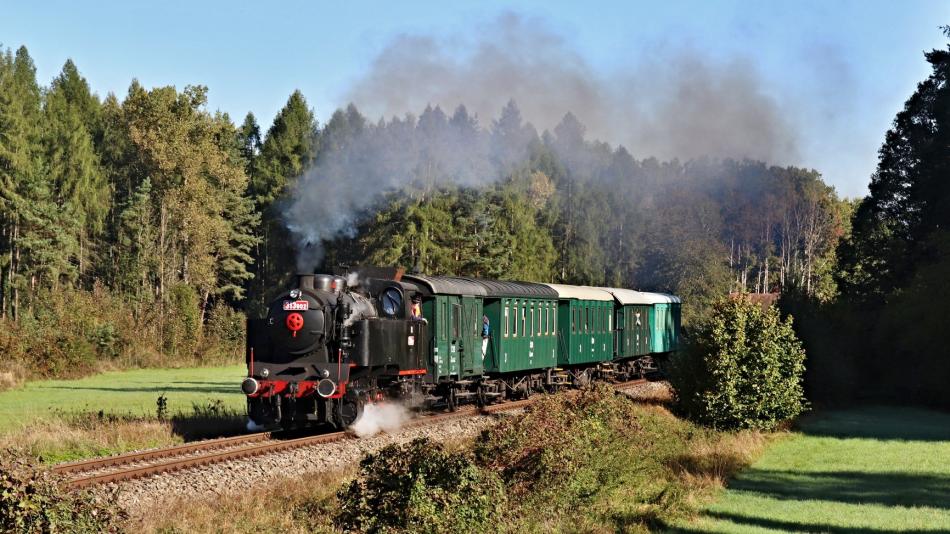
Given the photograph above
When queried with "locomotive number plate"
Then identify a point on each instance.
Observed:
(297, 305)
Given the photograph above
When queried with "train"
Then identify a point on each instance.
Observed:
(332, 344)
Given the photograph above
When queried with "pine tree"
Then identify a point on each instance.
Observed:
(29, 244)
(909, 193)
(79, 185)
(249, 142)
(288, 149)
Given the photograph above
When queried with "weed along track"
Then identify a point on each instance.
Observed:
(137, 465)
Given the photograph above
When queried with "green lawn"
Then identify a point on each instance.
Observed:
(125, 392)
(877, 470)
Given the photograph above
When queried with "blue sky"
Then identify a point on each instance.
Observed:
(841, 69)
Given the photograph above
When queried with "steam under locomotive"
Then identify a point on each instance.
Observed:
(332, 344)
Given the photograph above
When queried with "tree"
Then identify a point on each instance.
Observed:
(78, 184)
(249, 142)
(31, 254)
(204, 222)
(288, 149)
(893, 268)
(909, 198)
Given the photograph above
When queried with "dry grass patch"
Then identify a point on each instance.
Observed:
(62, 439)
(710, 463)
(72, 436)
(295, 505)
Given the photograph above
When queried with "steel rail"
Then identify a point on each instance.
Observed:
(141, 456)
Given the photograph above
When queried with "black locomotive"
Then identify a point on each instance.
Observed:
(330, 345)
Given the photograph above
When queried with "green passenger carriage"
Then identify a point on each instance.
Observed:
(632, 330)
(453, 308)
(585, 324)
(665, 322)
(523, 319)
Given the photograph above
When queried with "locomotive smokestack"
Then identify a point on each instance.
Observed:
(305, 281)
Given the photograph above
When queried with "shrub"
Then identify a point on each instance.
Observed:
(184, 319)
(559, 442)
(743, 368)
(420, 487)
(33, 501)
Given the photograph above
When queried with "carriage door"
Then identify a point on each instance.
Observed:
(454, 333)
(471, 336)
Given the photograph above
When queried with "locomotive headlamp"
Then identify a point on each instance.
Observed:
(265, 372)
(325, 373)
(326, 388)
(294, 293)
(249, 386)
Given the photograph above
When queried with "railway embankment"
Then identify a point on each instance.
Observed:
(585, 461)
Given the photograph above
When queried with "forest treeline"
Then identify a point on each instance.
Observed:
(138, 230)
(885, 336)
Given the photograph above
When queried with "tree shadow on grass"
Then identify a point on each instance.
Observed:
(791, 526)
(879, 422)
(164, 388)
(889, 489)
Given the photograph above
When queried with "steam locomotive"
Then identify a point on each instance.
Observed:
(332, 344)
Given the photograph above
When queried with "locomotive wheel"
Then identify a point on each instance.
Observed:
(450, 400)
(582, 379)
(351, 408)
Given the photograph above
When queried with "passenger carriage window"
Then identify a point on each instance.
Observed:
(514, 318)
(506, 321)
(524, 319)
(530, 312)
(573, 320)
(538, 324)
(546, 324)
(456, 320)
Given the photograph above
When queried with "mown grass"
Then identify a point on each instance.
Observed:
(865, 470)
(122, 393)
(61, 420)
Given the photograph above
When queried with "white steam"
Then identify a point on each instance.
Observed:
(380, 417)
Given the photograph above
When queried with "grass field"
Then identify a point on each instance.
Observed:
(878, 470)
(59, 420)
(122, 393)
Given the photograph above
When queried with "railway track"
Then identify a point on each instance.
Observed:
(119, 468)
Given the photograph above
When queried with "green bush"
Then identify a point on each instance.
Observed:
(33, 501)
(743, 369)
(420, 487)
